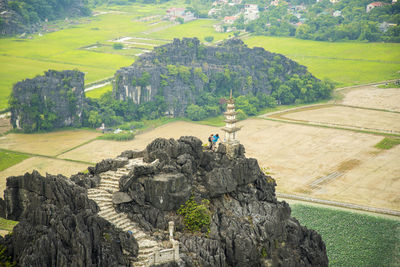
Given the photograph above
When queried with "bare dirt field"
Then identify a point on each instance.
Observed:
(100, 149)
(347, 116)
(42, 165)
(49, 144)
(373, 97)
(295, 155)
(374, 182)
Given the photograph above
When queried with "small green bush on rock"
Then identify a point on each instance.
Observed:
(197, 217)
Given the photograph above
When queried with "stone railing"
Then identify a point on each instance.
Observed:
(165, 255)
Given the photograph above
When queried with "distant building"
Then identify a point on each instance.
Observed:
(275, 3)
(179, 12)
(337, 13)
(384, 26)
(230, 20)
(251, 12)
(373, 5)
(394, 1)
(334, 1)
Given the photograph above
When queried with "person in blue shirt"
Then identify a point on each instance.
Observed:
(215, 140)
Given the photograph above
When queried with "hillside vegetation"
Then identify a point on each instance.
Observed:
(26, 15)
(187, 78)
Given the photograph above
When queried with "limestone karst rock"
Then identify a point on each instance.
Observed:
(59, 226)
(181, 71)
(53, 100)
(249, 226)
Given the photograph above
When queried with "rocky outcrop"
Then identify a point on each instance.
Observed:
(182, 71)
(53, 100)
(59, 226)
(140, 195)
(249, 227)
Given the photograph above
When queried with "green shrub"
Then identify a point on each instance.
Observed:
(118, 46)
(196, 217)
(209, 38)
(241, 115)
(132, 125)
(117, 137)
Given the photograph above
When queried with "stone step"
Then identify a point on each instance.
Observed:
(107, 210)
(146, 251)
(113, 182)
(112, 179)
(146, 243)
(111, 216)
(109, 188)
(101, 199)
(103, 196)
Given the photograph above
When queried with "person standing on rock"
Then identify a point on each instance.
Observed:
(215, 140)
(210, 141)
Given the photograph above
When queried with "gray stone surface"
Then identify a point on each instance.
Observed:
(121, 197)
(59, 226)
(56, 92)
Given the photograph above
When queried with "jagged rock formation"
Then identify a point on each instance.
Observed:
(59, 226)
(53, 100)
(27, 17)
(181, 71)
(141, 192)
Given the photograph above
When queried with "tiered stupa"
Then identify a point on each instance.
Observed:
(230, 128)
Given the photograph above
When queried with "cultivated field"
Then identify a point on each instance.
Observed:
(373, 97)
(49, 144)
(101, 149)
(43, 165)
(295, 155)
(345, 63)
(349, 117)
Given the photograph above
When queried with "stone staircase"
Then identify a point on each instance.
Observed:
(102, 195)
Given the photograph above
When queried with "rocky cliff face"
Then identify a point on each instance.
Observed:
(181, 71)
(248, 226)
(53, 100)
(59, 225)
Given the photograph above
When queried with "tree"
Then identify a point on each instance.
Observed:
(209, 38)
(94, 118)
(195, 113)
(118, 46)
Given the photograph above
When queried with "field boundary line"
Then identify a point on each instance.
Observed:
(366, 108)
(340, 204)
(366, 84)
(49, 157)
(75, 147)
(331, 127)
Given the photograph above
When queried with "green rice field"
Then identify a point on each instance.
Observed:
(345, 63)
(8, 159)
(86, 44)
(353, 239)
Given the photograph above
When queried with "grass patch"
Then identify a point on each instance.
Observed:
(8, 159)
(389, 85)
(346, 63)
(217, 121)
(388, 143)
(124, 136)
(96, 93)
(353, 239)
(7, 225)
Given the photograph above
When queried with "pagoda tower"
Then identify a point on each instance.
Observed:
(230, 128)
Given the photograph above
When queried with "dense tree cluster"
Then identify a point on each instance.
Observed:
(33, 11)
(324, 21)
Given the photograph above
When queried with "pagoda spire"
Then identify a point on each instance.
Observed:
(230, 128)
